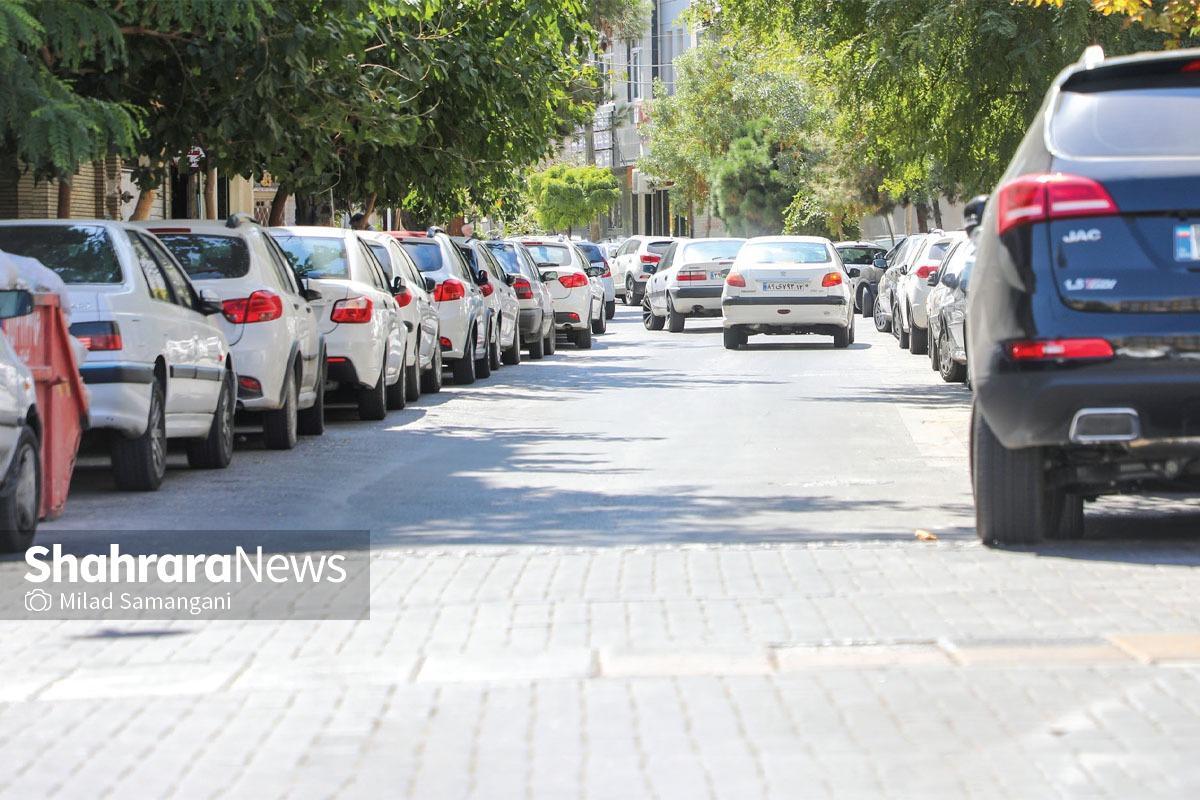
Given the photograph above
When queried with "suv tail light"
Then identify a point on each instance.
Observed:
(925, 270)
(487, 289)
(832, 279)
(691, 275)
(523, 289)
(735, 279)
(98, 335)
(260, 306)
(607, 271)
(1060, 350)
(650, 258)
(1048, 196)
(403, 297)
(449, 289)
(352, 310)
(573, 280)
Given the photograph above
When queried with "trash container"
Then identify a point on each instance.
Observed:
(43, 342)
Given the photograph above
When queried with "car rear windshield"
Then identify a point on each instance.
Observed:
(506, 254)
(556, 254)
(859, 255)
(1129, 123)
(659, 247)
(784, 253)
(711, 251)
(593, 252)
(209, 257)
(937, 250)
(78, 253)
(315, 256)
(427, 255)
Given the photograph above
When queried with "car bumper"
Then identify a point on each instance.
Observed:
(359, 350)
(579, 304)
(453, 326)
(530, 321)
(784, 311)
(118, 396)
(267, 368)
(696, 300)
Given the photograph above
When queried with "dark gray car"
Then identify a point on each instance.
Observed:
(860, 257)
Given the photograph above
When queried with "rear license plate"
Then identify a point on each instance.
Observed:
(1187, 242)
(784, 286)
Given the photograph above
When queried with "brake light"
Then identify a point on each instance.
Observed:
(449, 289)
(96, 336)
(523, 289)
(925, 270)
(1049, 196)
(573, 280)
(1191, 66)
(260, 306)
(1060, 350)
(249, 385)
(607, 271)
(651, 258)
(352, 310)
(691, 276)
(445, 342)
(735, 279)
(404, 297)
(487, 289)
(832, 279)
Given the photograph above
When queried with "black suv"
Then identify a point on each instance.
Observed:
(1084, 315)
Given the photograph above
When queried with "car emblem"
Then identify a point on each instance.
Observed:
(1081, 235)
(1090, 285)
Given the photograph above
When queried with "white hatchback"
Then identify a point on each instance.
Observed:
(787, 285)
(578, 299)
(688, 282)
(635, 261)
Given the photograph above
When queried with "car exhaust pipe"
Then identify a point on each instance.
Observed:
(1105, 426)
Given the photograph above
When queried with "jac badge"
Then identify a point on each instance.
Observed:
(1080, 235)
(1090, 285)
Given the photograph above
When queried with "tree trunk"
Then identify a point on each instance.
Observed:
(368, 210)
(64, 199)
(310, 209)
(145, 202)
(922, 216)
(411, 221)
(210, 193)
(278, 207)
(887, 216)
(937, 214)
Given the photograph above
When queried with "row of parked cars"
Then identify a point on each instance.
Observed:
(189, 325)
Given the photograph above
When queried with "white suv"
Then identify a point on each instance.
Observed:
(20, 436)
(578, 299)
(157, 367)
(268, 321)
(636, 260)
(365, 340)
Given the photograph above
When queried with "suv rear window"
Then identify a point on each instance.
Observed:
(1129, 123)
(506, 255)
(78, 253)
(659, 247)
(209, 257)
(593, 252)
(427, 255)
(315, 256)
(709, 251)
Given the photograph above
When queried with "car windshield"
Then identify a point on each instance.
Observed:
(78, 253)
(1130, 123)
(209, 257)
(315, 256)
(427, 255)
(859, 255)
(557, 254)
(784, 253)
(506, 254)
(719, 250)
(591, 251)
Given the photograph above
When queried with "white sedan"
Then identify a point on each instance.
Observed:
(787, 285)
(688, 282)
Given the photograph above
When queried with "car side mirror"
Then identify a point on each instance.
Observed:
(430, 284)
(879, 262)
(397, 285)
(973, 212)
(550, 276)
(15, 303)
(481, 278)
(509, 278)
(932, 280)
(210, 303)
(854, 272)
(949, 281)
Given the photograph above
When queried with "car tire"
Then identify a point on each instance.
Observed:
(552, 342)
(868, 303)
(21, 497)
(950, 370)
(882, 323)
(732, 338)
(1014, 501)
(463, 370)
(918, 338)
(431, 379)
(629, 294)
(600, 324)
(494, 360)
(610, 309)
(512, 355)
(215, 450)
(583, 338)
(483, 365)
(311, 421)
(841, 338)
(675, 320)
(898, 330)
(281, 426)
(396, 395)
(537, 348)
(139, 464)
(650, 320)
(852, 329)
(1070, 520)
(372, 401)
(412, 381)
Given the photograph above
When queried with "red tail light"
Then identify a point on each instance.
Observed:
(651, 258)
(1044, 197)
(404, 298)
(260, 306)
(353, 310)
(97, 336)
(573, 280)
(1060, 350)
(445, 342)
(925, 270)
(735, 279)
(449, 289)
(832, 279)
(487, 289)
(523, 288)
(250, 385)
(691, 276)
(607, 271)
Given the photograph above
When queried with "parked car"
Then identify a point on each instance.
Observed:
(909, 325)
(504, 343)
(860, 260)
(634, 263)
(157, 367)
(688, 282)
(578, 305)
(889, 242)
(268, 321)
(1082, 317)
(461, 307)
(598, 258)
(365, 337)
(897, 263)
(787, 285)
(946, 309)
(536, 321)
(21, 424)
(415, 300)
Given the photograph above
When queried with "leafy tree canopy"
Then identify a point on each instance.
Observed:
(566, 197)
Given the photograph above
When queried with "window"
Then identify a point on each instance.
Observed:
(784, 253)
(283, 267)
(593, 252)
(1128, 122)
(556, 255)
(635, 73)
(78, 253)
(315, 256)
(181, 288)
(426, 255)
(156, 282)
(715, 250)
(376, 275)
(385, 259)
(506, 255)
(207, 257)
(860, 256)
(659, 247)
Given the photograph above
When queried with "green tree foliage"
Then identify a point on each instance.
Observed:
(752, 183)
(566, 197)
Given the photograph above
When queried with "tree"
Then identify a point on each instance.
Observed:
(1176, 18)
(565, 197)
(751, 183)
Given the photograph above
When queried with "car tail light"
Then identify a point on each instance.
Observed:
(735, 279)
(832, 279)
(1060, 350)
(444, 342)
(691, 276)
(249, 385)
(572, 316)
(1049, 196)
(449, 289)
(607, 270)
(487, 289)
(404, 297)
(98, 335)
(650, 258)
(336, 360)
(573, 280)
(523, 289)
(925, 270)
(260, 306)
(352, 310)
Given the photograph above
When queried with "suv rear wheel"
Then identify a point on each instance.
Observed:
(139, 464)
(215, 450)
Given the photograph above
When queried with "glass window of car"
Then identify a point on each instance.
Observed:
(668, 258)
(937, 251)
(785, 253)
(552, 254)
(209, 257)
(156, 281)
(491, 262)
(315, 256)
(78, 253)
(280, 267)
(385, 258)
(427, 255)
(592, 252)
(528, 268)
(1128, 122)
(506, 254)
(406, 268)
(464, 270)
(859, 256)
(715, 250)
(181, 287)
(659, 248)
(376, 274)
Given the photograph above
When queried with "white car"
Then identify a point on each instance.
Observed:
(598, 259)
(578, 299)
(20, 437)
(504, 310)
(786, 285)
(461, 306)
(414, 297)
(533, 297)
(365, 338)
(635, 261)
(157, 367)
(268, 321)
(688, 282)
(909, 320)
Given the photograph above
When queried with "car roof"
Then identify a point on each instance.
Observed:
(858, 244)
(196, 226)
(799, 239)
(316, 230)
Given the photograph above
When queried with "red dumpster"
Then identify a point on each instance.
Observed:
(42, 341)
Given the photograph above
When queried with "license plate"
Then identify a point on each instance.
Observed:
(1187, 242)
(784, 286)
